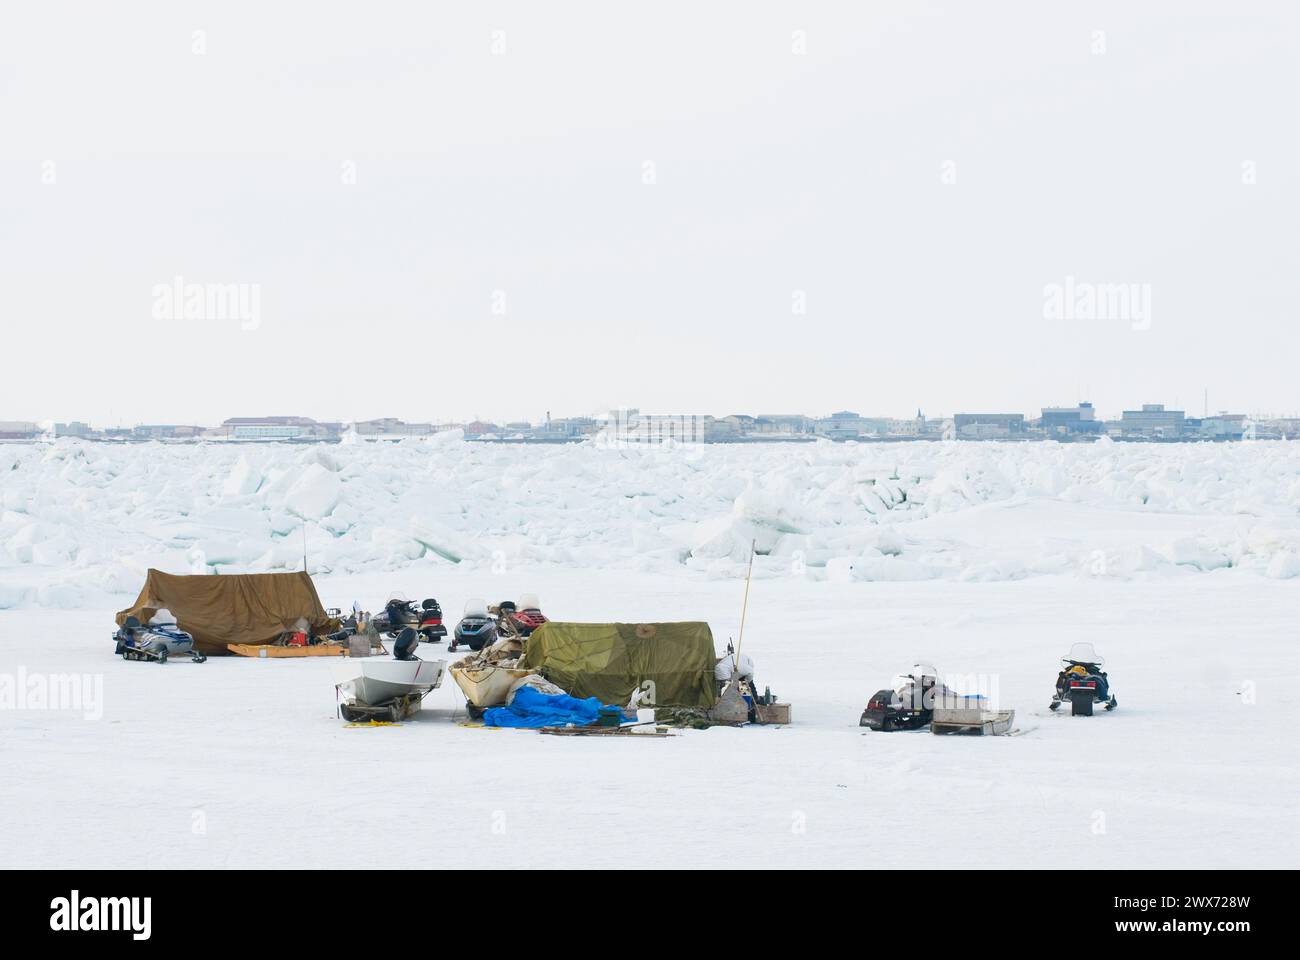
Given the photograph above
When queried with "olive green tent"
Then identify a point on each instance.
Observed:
(238, 608)
(673, 662)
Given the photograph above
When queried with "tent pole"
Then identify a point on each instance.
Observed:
(740, 637)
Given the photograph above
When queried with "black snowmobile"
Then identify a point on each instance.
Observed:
(907, 705)
(400, 613)
(431, 628)
(1082, 682)
(477, 628)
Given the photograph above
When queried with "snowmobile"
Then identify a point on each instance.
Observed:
(399, 613)
(155, 641)
(1082, 682)
(477, 629)
(906, 705)
(518, 621)
(431, 628)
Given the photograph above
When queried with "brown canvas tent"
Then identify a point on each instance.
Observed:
(242, 608)
(611, 660)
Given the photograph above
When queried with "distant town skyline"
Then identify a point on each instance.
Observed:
(1195, 410)
(1079, 422)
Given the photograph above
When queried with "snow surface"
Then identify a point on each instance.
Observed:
(1177, 561)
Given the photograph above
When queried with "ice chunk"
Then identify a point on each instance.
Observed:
(314, 494)
(1284, 566)
(242, 481)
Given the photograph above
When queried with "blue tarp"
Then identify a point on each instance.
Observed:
(533, 709)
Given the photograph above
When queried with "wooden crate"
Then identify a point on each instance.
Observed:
(775, 713)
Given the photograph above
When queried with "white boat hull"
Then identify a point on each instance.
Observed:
(374, 681)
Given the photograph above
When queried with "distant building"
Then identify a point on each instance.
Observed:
(783, 425)
(1153, 422)
(716, 430)
(910, 428)
(1277, 428)
(1068, 421)
(74, 429)
(165, 431)
(740, 424)
(847, 425)
(280, 428)
(633, 426)
(19, 430)
(1224, 426)
(989, 426)
(479, 428)
(392, 427)
(571, 427)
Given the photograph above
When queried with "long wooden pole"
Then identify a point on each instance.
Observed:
(740, 637)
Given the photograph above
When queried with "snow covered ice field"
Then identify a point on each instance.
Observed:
(1177, 561)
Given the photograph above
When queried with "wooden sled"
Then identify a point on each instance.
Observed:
(986, 723)
(276, 650)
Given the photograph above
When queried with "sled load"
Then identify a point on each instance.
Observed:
(666, 672)
(970, 715)
(1082, 682)
(380, 689)
(670, 664)
(591, 676)
(261, 613)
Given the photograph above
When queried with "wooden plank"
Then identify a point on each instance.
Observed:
(600, 732)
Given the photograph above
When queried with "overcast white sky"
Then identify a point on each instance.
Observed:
(134, 150)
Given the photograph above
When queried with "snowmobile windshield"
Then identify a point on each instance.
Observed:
(1084, 653)
(915, 673)
(920, 670)
(476, 607)
(398, 597)
(529, 601)
(162, 618)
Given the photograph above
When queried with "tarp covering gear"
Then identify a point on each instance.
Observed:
(250, 608)
(531, 709)
(609, 661)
